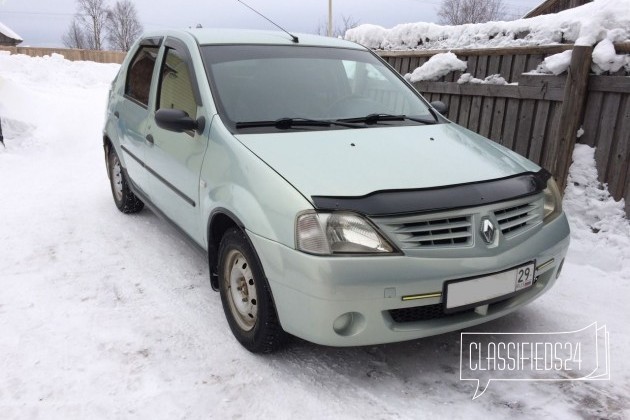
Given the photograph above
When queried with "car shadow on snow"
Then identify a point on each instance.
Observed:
(411, 374)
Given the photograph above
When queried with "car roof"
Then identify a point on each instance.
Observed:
(216, 36)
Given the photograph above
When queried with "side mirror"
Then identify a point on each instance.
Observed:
(178, 121)
(440, 107)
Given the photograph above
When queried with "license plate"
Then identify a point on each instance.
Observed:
(466, 293)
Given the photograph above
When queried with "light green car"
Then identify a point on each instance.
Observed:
(333, 202)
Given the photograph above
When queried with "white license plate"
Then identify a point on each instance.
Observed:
(481, 290)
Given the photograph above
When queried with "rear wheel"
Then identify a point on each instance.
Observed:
(125, 199)
(246, 296)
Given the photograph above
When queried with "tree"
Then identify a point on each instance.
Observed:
(88, 24)
(123, 26)
(458, 12)
(347, 22)
(75, 36)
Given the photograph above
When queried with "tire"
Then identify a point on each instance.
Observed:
(246, 296)
(125, 199)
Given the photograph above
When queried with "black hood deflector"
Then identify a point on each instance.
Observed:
(396, 202)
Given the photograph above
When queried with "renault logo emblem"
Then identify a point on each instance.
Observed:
(487, 230)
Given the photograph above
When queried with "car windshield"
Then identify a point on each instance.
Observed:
(286, 87)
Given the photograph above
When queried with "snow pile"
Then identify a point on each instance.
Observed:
(598, 223)
(55, 70)
(605, 59)
(493, 79)
(29, 120)
(437, 66)
(555, 64)
(586, 25)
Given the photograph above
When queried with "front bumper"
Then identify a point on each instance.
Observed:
(312, 292)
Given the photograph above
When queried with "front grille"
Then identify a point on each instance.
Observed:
(421, 313)
(454, 231)
(513, 220)
(421, 233)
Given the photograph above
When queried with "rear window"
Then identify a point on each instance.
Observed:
(140, 73)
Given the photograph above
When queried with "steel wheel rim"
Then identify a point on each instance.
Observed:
(241, 290)
(117, 181)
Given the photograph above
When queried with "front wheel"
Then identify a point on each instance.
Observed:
(246, 296)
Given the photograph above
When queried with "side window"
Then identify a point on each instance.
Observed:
(176, 90)
(138, 83)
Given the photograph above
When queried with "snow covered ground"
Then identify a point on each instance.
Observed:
(104, 315)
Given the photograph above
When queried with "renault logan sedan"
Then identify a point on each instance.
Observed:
(333, 202)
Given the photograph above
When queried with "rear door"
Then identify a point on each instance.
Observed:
(175, 159)
(132, 111)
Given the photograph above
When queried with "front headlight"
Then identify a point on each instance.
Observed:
(553, 201)
(338, 233)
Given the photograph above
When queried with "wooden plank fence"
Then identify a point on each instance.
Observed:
(540, 116)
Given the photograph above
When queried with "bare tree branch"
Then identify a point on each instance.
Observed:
(459, 12)
(87, 29)
(75, 37)
(123, 26)
(347, 22)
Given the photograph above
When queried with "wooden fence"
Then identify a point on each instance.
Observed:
(540, 116)
(70, 54)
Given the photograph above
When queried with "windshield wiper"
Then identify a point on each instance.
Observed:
(372, 119)
(286, 123)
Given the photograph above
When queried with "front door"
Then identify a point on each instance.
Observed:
(175, 159)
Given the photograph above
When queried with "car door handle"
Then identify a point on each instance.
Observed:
(150, 139)
(116, 114)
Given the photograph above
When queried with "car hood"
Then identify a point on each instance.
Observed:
(356, 162)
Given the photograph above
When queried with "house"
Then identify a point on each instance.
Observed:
(8, 38)
(554, 6)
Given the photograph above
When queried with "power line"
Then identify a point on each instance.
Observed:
(17, 12)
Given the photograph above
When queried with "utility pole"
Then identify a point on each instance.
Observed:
(330, 26)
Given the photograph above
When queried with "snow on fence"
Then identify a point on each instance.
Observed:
(70, 54)
(537, 115)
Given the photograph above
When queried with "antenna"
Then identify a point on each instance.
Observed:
(293, 37)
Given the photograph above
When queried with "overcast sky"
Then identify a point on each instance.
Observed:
(42, 23)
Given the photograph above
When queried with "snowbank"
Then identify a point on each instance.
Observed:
(588, 24)
(599, 226)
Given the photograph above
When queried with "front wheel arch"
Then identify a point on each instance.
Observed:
(220, 221)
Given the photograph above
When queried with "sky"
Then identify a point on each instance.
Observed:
(42, 23)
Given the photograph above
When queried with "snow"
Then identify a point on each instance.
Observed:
(598, 221)
(599, 24)
(584, 25)
(437, 66)
(5, 30)
(493, 79)
(555, 64)
(605, 58)
(104, 315)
